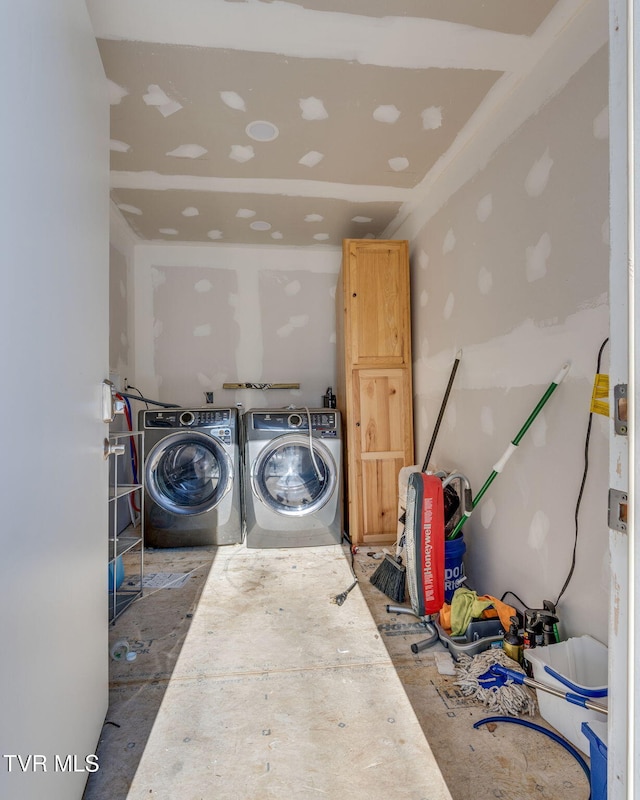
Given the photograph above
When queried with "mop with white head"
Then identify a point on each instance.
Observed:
(511, 699)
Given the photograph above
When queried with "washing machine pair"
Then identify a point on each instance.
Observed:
(192, 477)
(292, 488)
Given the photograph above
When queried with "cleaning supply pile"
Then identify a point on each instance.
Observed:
(510, 699)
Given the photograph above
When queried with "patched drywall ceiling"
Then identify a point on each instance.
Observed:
(261, 122)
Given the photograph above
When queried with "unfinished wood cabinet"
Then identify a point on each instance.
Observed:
(374, 383)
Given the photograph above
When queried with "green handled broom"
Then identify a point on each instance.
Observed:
(391, 576)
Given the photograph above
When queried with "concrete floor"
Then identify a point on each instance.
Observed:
(250, 683)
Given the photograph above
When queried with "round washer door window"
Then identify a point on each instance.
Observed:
(188, 473)
(292, 481)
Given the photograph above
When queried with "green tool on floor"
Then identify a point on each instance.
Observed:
(499, 466)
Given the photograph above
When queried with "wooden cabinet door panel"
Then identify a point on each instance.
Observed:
(382, 404)
(380, 499)
(379, 304)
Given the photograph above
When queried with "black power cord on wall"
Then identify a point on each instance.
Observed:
(582, 485)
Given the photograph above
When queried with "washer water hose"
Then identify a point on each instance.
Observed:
(524, 722)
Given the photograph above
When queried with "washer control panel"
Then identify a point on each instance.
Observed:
(218, 421)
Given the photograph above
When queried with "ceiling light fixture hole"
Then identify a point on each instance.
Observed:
(262, 131)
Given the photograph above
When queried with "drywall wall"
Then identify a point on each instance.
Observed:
(513, 270)
(209, 315)
(121, 262)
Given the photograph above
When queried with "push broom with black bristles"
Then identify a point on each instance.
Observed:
(391, 576)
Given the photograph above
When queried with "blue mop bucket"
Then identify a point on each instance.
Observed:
(454, 550)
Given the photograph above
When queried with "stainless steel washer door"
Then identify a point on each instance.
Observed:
(289, 481)
(188, 473)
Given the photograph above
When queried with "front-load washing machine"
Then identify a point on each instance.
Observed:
(192, 477)
(292, 477)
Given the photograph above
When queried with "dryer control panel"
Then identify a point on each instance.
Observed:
(324, 422)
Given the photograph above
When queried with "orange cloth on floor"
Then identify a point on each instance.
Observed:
(498, 609)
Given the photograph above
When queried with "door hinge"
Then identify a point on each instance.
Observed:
(618, 510)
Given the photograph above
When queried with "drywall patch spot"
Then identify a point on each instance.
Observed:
(214, 234)
(486, 420)
(188, 151)
(241, 153)
(484, 208)
(116, 146)
(299, 321)
(157, 329)
(536, 181)
(321, 237)
(538, 530)
(423, 259)
(157, 277)
(190, 211)
(332, 292)
(260, 225)
(311, 159)
(487, 513)
(432, 118)
(424, 298)
(313, 108)
(157, 98)
(537, 257)
(233, 100)
(449, 242)
(399, 163)
(202, 330)
(292, 288)
(601, 124)
(389, 114)
(129, 209)
(168, 231)
(245, 213)
(362, 220)
(116, 93)
(123, 340)
(277, 235)
(485, 281)
(448, 306)
(203, 286)
(314, 218)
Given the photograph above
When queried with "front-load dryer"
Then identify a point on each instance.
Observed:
(192, 477)
(292, 477)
